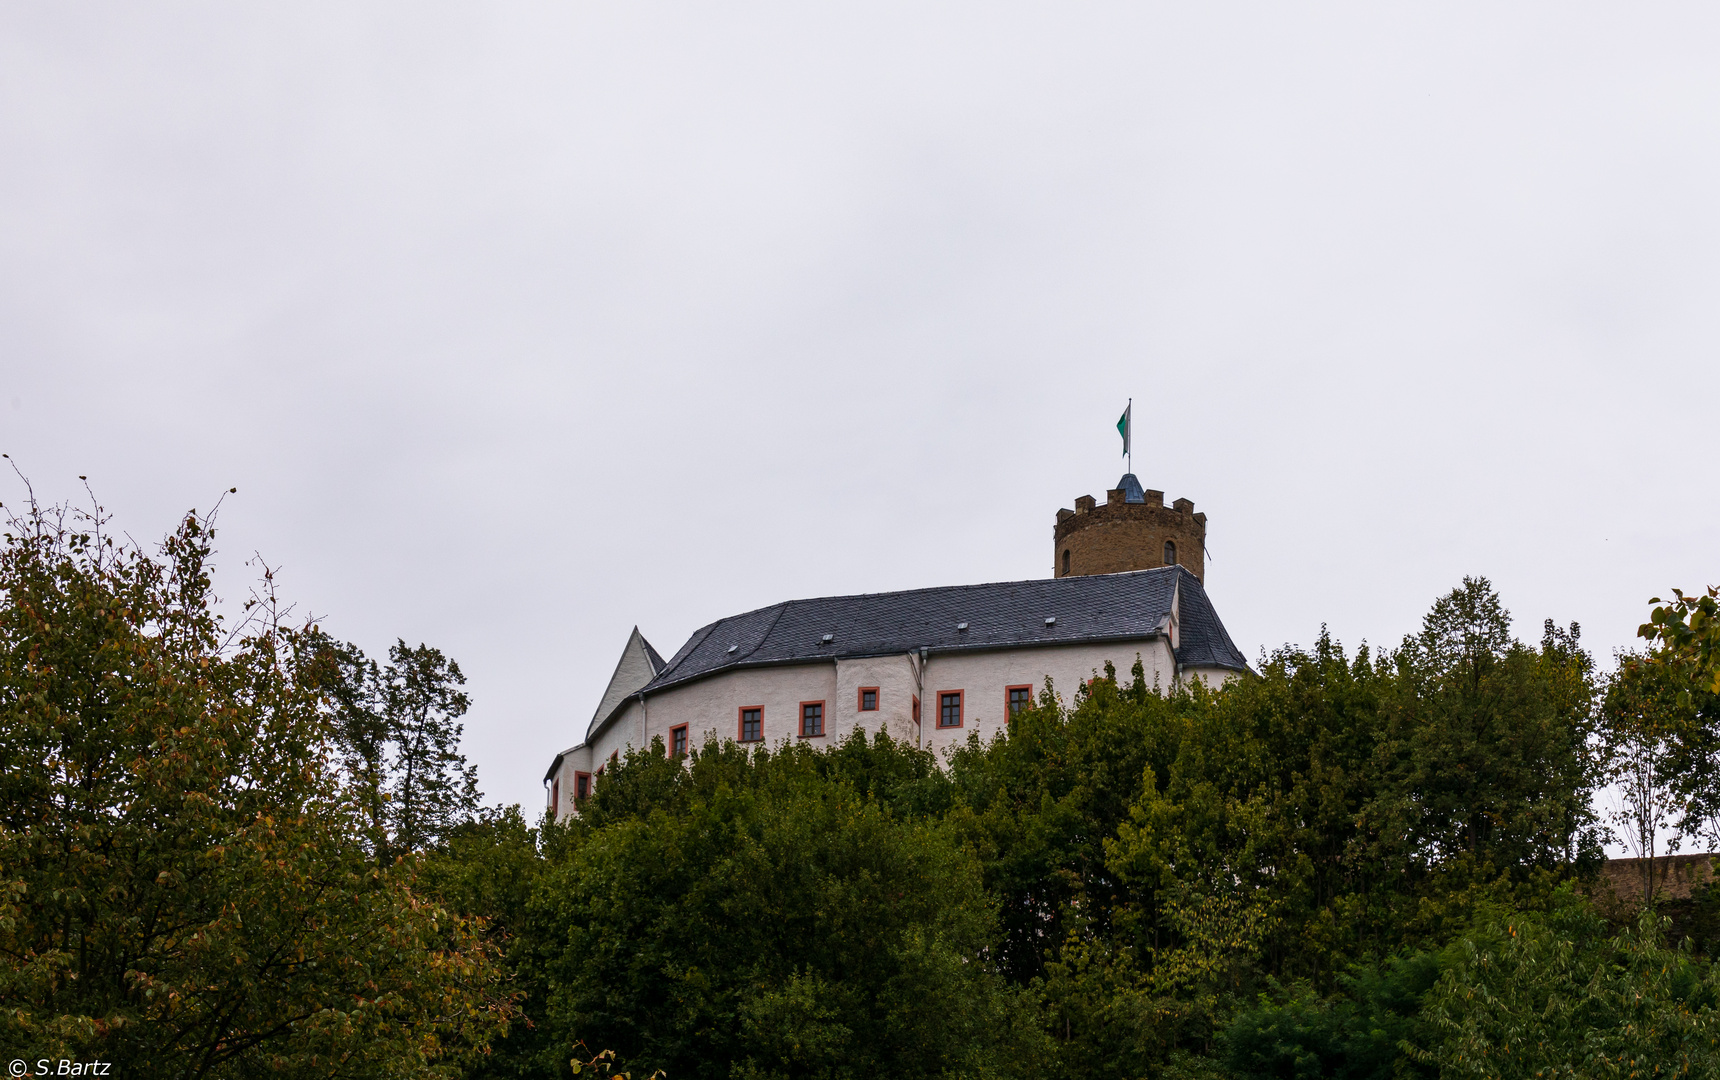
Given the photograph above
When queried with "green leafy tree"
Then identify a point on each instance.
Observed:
(1161, 859)
(398, 731)
(1686, 632)
(432, 789)
(487, 870)
(1644, 723)
(1677, 682)
(1553, 996)
(1489, 739)
(758, 916)
(1355, 1035)
(181, 890)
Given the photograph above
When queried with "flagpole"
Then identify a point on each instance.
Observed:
(1131, 439)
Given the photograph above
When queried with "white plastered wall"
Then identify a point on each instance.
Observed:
(982, 678)
(712, 705)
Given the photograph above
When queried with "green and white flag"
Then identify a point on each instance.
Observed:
(1123, 426)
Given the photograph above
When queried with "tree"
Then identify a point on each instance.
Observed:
(1680, 675)
(1532, 996)
(180, 887)
(1356, 1035)
(1686, 632)
(432, 789)
(1489, 743)
(489, 869)
(398, 731)
(1643, 718)
(764, 919)
(1161, 860)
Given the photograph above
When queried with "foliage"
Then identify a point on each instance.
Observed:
(488, 869)
(1355, 1035)
(1553, 996)
(237, 852)
(1676, 687)
(180, 889)
(398, 731)
(764, 916)
(1686, 633)
(1644, 723)
(1161, 860)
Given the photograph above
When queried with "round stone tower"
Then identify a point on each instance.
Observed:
(1134, 530)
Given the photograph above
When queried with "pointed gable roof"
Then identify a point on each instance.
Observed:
(639, 664)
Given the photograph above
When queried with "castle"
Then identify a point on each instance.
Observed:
(930, 666)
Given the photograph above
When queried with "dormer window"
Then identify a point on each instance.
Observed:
(1170, 553)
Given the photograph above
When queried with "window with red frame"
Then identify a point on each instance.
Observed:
(678, 741)
(752, 725)
(555, 796)
(950, 708)
(868, 699)
(916, 709)
(811, 719)
(581, 786)
(1017, 699)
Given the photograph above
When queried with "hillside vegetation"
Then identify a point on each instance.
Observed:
(235, 851)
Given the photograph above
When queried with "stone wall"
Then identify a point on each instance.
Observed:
(1119, 536)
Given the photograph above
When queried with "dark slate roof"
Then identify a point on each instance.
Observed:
(1131, 489)
(656, 658)
(1010, 614)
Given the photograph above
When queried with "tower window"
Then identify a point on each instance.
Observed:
(1017, 699)
(950, 709)
(811, 719)
(1066, 560)
(868, 699)
(1170, 553)
(678, 741)
(752, 724)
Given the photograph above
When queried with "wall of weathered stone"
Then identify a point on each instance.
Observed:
(1119, 536)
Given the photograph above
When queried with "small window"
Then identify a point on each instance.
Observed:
(1017, 699)
(811, 719)
(581, 786)
(752, 725)
(555, 797)
(950, 709)
(1065, 560)
(868, 699)
(916, 709)
(678, 741)
(1170, 553)
(614, 758)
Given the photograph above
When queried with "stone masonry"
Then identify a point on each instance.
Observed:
(1128, 535)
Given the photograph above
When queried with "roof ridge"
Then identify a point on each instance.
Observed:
(972, 585)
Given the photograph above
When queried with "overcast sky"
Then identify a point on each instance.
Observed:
(518, 325)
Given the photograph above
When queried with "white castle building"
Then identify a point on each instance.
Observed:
(930, 666)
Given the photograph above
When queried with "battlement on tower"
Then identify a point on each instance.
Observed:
(1133, 530)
